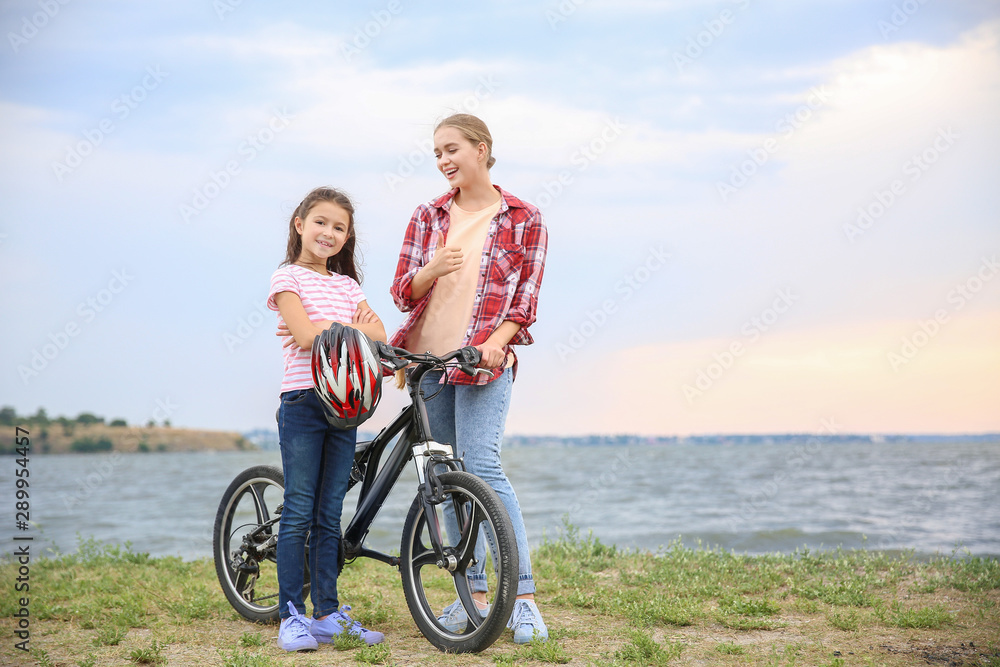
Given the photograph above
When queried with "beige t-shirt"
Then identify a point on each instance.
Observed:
(445, 323)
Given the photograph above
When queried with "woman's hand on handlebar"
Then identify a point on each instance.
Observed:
(493, 355)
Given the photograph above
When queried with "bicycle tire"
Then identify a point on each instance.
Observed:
(247, 566)
(428, 587)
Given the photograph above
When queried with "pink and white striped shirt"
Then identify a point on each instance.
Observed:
(334, 297)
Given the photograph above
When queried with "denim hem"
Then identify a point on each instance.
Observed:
(316, 614)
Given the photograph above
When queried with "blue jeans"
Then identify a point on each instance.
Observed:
(472, 418)
(316, 459)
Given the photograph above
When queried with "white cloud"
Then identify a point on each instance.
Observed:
(886, 100)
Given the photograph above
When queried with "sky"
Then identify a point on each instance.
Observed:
(764, 216)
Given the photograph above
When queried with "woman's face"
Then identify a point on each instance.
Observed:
(458, 159)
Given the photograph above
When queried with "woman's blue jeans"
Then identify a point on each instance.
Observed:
(316, 459)
(472, 418)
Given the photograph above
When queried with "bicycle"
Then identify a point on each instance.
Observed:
(434, 568)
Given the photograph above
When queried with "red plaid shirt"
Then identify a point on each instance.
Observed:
(510, 275)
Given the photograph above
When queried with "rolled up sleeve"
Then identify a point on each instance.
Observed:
(411, 259)
(524, 306)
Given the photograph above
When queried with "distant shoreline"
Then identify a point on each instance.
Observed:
(265, 439)
(746, 439)
(100, 438)
(55, 438)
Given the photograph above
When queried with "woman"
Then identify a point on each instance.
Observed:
(468, 274)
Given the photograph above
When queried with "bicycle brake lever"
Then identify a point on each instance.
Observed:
(388, 357)
(395, 363)
(470, 356)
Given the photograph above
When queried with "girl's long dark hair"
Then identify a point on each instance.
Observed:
(345, 262)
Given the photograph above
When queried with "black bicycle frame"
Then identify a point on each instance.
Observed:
(412, 426)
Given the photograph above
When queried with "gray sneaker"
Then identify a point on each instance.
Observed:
(527, 623)
(455, 619)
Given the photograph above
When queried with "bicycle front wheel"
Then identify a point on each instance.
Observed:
(484, 549)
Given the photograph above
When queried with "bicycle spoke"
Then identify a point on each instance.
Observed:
(258, 500)
(423, 555)
(465, 595)
(466, 547)
(241, 586)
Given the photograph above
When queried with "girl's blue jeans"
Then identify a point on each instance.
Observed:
(472, 418)
(316, 459)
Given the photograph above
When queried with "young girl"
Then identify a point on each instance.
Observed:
(316, 285)
(468, 274)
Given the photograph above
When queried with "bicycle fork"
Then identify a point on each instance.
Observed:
(431, 458)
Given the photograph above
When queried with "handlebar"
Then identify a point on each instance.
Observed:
(397, 358)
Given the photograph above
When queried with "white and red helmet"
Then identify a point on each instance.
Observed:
(347, 375)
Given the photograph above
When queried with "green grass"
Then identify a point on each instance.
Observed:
(971, 574)
(107, 604)
(246, 659)
(926, 617)
(728, 648)
(378, 654)
(110, 635)
(42, 656)
(748, 606)
(643, 650)
(148, 656)
(548, 651)
(848, 621)
(249, 639)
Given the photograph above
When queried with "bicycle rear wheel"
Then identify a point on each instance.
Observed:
(430, 584)
(245, 549)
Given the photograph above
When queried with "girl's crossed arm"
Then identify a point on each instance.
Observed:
(302, 331)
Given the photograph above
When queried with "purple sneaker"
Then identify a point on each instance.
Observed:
(324, 631)
(293, 635)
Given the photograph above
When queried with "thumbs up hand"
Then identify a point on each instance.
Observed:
(446, 260)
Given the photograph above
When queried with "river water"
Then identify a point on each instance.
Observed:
(930, 497)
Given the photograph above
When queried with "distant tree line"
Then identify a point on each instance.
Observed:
(9, 417)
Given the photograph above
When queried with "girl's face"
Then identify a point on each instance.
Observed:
(324, 232)
(458, 159)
